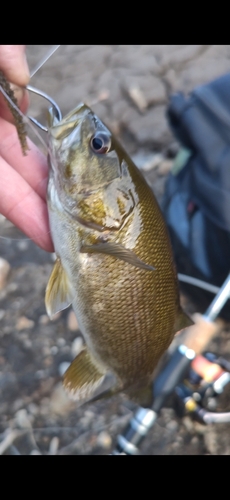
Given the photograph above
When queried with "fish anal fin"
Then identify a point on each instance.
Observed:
(82, 377)
(182, 321)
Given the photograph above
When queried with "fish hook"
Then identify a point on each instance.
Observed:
(56, 108)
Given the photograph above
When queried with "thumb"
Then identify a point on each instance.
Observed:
(14, 64)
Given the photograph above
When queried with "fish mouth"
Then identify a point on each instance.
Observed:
(81, 108)
(60, 129)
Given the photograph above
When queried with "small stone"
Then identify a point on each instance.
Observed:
(35, 452)
(56, 316)
(172, 426)
(63, 367)
(17, 405)
(200, 428)
(66, 349)
(33, 409)
(12, 287)
(180, 439)
(175, 445)
(61, 342)
(144, 92)
(54, 350)
(147, 160)
(54, 443)
(76, 347)
(72, 321)
(46, 351)
(2, 360)
(22, 245)
(40, 374)
(4, 272)
(165, 167)
(45, 401)
(2, 314)
(104, 440)
(194, 441)
(27, 344)
(24, 323)
(44, 319)
(188, 423)
(101, 96)
(22, 419)
(152, 163)
(87, 418)
(48, 361)
(6, 330)
(171, 79)
(148, 128)
(138, 98)
(60, 403)
(211, 440)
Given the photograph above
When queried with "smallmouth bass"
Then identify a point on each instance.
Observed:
(114, 259)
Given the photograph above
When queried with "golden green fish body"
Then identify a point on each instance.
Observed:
(114, 252)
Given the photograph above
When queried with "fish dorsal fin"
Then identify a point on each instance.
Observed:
(182, 321)
(82, 377)
(119, 252)
(59, 293)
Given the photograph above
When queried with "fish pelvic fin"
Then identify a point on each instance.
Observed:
(82, 377)
(143, 396)
(58, 294)
(182, 321)
(119, 252)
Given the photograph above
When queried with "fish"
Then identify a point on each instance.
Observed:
(114, 260)
(19, 124)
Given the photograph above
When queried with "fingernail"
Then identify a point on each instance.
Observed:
(19, 92)
(26, 67)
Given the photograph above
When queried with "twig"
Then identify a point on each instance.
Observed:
(9, 439)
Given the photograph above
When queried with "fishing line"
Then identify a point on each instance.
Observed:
(199, 283)
(182, 277)
(43, 61)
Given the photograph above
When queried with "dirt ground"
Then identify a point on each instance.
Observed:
(128, 87)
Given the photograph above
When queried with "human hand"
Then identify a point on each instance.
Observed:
(23, 179)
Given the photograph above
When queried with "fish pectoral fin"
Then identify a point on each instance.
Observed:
(58, 294)
(182, 321)
(82, 377)
(119, 252)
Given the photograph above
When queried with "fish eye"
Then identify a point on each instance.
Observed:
(100, 143)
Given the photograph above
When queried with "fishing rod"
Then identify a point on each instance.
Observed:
(174, 372)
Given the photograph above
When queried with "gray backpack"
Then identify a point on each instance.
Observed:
(196, 203)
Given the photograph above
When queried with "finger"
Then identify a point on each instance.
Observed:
(23, 207)
(32, 167)
(14, 64)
